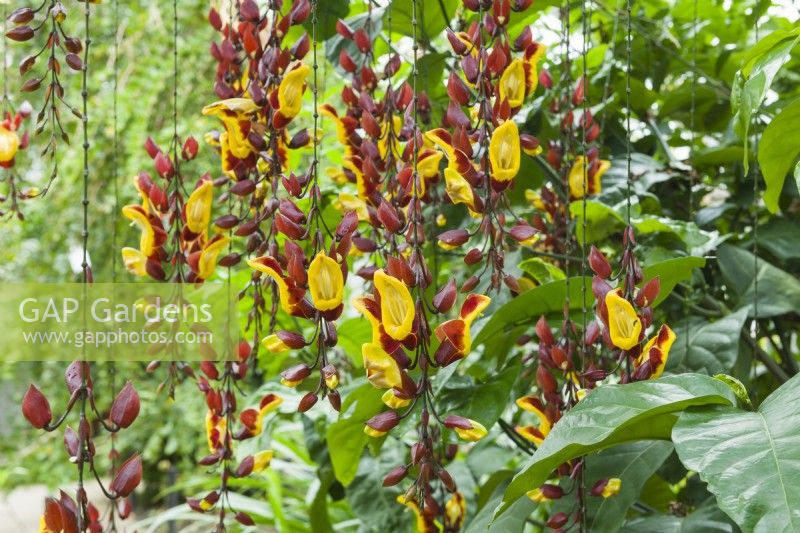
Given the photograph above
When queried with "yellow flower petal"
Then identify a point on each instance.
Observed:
(624, 326)
(148, 239)
(198, 207)
(9, 144)
(325, 282)
(208, 257)
(397, 307)
(135, 261)
(504, 152)
(290, 91)
(512, 83)
(382, 370)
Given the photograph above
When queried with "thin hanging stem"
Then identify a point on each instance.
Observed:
(84, 368)
(756, 176)
(692, 172)
(565, 87)
(629, 179)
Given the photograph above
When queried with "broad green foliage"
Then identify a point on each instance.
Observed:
(614, 415)
(750, 459)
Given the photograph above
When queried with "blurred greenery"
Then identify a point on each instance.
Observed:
(330, 476)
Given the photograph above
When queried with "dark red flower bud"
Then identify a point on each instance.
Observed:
(248, 9)
(346, 62)
(388, 217)
(36, 408)
(522, 232)
(362, 40)
(164, 165)
(128, 476)
(301, 47)
(343, 29)
(395, 476)
(243, 187)
(598, 263)
(384, 422)
(300, 11)
(552, 492)
(545, 380)
(454, 237)
(459, 47)
(545, 80)
(189, 149)
(648, 293)
(245, 467)
(20, 33)
(473, 256)
(152, 148)
(21, 15)
(214, 19)
(296, 373)
(457, 89)
(543, 332)
(125, 408)
(307, 402)
(470, 284)
(444, 299)
(558, 520)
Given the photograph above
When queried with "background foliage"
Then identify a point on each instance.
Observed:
(324, 467)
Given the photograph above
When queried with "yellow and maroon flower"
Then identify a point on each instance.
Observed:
(290, 95)
(397, 306)
(424, 522)
(513, 84)
(465, 428)
(206, 260)
(147, 242)
(253, 419)
(454, 512)
(261, 460)
(382, 369)
(198, 208)
(454, 335)
(656, 351)
(291, 296)
(580, 185)
(215, 431)
(607, 487)
(504, 152)
(624, 325)
(325, 282)
(236, 115)
(458, 189)
(534, 434)
(9, 144)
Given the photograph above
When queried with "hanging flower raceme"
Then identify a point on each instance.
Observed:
(13, 140)
(626, 314)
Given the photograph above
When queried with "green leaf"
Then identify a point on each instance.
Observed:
(511, 522)
(778, 151)
(483, 402)
(708, 519)
(601, 221)
(671, 272)
(779, 236)
(778, 291)
(712, 347)
(432, 18)
(549, 298)
(750, 460)
(612, 415)
(541, 300)
(346, 437)
(752, 82)
(541, 271)
(327, 17)
(633, 463)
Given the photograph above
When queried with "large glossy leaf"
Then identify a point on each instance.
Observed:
(708, 519)
(750, 460)
(759, 69)
(778, 151)
(711, 347)
(549, 298)
(778, 291)
(633, 463)
(612, 415)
